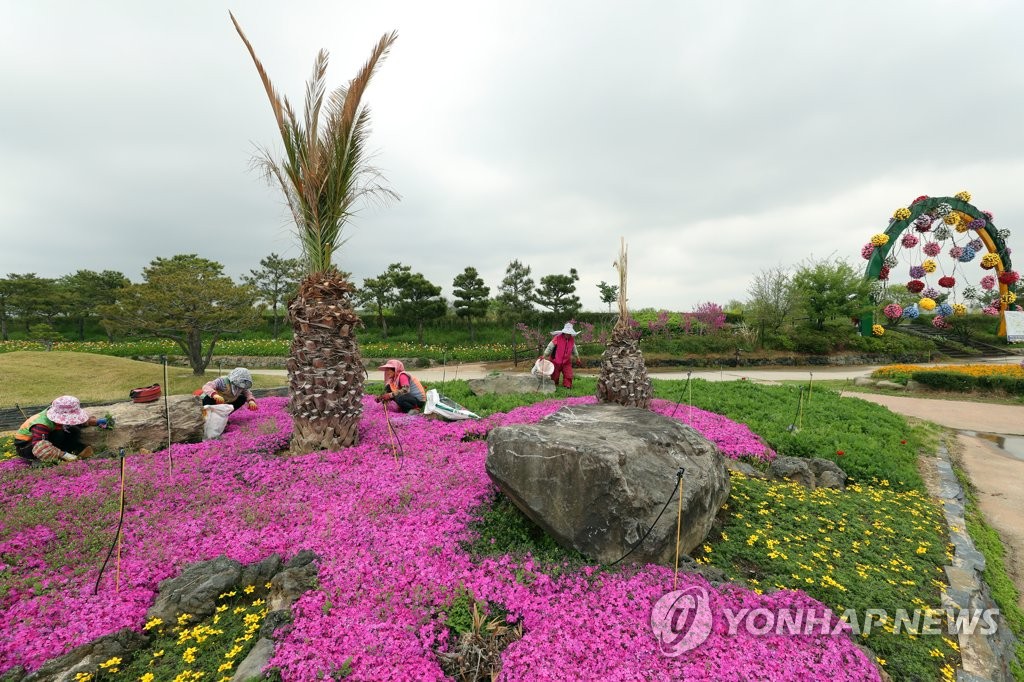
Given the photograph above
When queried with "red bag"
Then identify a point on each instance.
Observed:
(146, 394)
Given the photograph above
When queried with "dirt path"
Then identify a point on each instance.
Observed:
(997, 476)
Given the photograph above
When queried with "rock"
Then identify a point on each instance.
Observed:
(596, 477)
(914, 385)
(810, 473)
(504, 384)
(143, 426)
(827, 474)
(892, 385)
(195, 590)
(86, 658)
(291, 583)
(252, 667)
(793, 469)
(743, 468)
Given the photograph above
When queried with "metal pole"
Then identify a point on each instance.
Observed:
(167, 415)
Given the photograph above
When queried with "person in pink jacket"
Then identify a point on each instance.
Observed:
(561, 350)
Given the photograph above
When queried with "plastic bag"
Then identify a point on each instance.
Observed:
(543, 368)
(215, 420)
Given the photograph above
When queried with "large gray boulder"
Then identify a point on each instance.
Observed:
(596, 476)
(143, 426)
(505, 384)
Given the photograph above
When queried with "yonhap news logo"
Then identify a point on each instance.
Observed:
(682, 620)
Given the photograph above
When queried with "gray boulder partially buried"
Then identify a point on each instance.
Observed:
(595, 477)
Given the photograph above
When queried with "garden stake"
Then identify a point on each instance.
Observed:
(679, 526)
(167, 415)
(117, 538)
(809, 382)
(800, 410)
(396, 442)
(24, 416)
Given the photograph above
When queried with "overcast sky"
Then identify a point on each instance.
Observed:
(718, 138)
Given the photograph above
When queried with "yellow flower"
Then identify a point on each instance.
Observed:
(249, 589)
(952, 219)
(963, 195)
(1008, 298)
(190, 654)
(926, 304)
(111, 663)
(880, 239)
(152, 623)
(959, 309)
(877, 329)
(148, 677)
(83, 677)
(901, 213)
(929, 265)
(991, 260)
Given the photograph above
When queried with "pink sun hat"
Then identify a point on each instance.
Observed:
(67, 410)
(395, 365)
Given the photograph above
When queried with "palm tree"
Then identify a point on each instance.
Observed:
(623, 377)
(324, 173)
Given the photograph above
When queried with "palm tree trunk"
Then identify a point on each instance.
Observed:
(325, 369)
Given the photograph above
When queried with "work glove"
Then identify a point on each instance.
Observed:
(384, 397)
(101, 423)
(252, 405)
(218, 398)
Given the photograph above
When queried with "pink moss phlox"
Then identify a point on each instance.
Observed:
(391, 535)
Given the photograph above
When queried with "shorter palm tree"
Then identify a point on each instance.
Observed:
(623, 378)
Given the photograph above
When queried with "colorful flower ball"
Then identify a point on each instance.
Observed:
(916, 271)
(1009, 276)
(987, 214)
(930, 292)
(1008, 298)
(877, 329)
(891, 261)
(923, 222)
(947, 282)
(990, 310)
(956, 251)
(990, 260)
(918, 200)
(915, 286)
(866, 251)
(952, 218)
(987, 282)
(926, 304)
(944, 309)
(929, 265)
(941, 233)
(880, 239)
(1003, 233)
(968, 255)
(909, 240)
(959, 309)
(901, 214)
(963, 196)
(970, 292)
(976, 244)
(939, 322)
(932, 249)
(976, 224)
(883, 273)
(911, 312)
(893, 311)
(943, 210)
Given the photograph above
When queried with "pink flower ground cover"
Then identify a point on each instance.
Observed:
(390, 536)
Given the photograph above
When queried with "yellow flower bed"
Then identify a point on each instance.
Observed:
(890, 371)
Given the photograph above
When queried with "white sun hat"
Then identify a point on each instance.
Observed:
(567, 329)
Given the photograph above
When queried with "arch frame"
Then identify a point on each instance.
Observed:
(988, 234)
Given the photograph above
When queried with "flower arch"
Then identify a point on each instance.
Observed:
(935, 223)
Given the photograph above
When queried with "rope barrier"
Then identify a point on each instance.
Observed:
(679, 477)
(117, 538)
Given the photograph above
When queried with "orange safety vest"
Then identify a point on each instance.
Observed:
(25, 431)
(414, 386)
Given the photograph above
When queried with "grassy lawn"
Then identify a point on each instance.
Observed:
(37, 377)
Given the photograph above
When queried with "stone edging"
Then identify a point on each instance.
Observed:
(984, 656)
